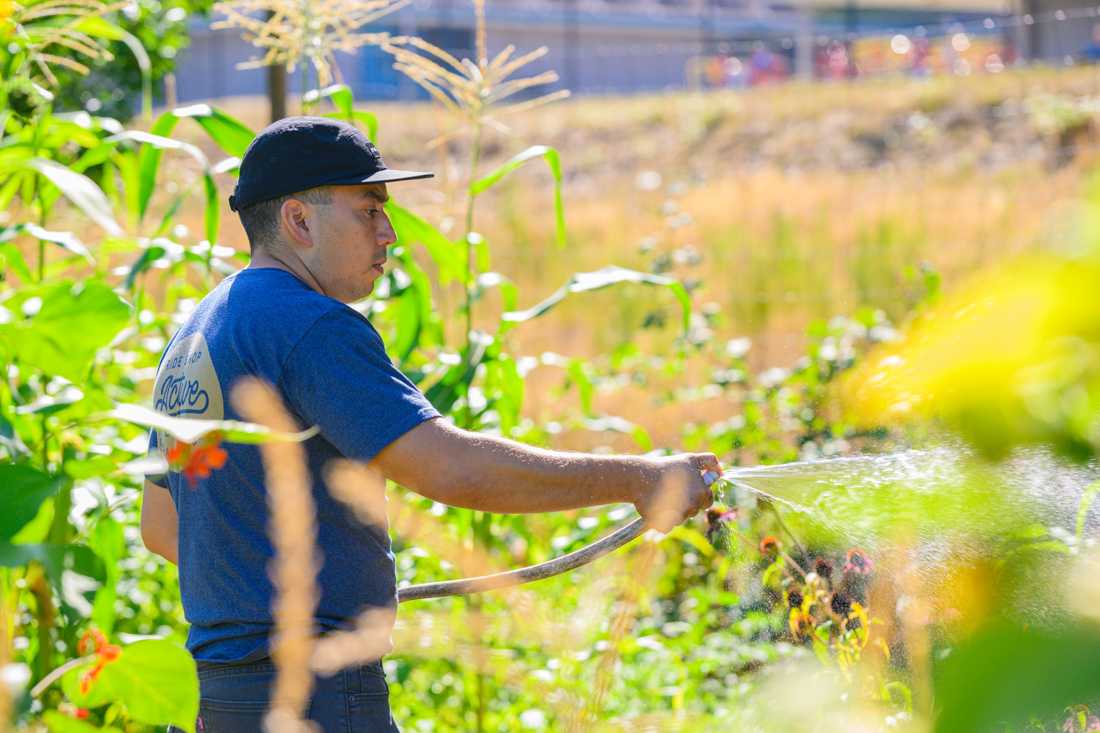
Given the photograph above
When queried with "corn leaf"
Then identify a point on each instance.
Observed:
(553, 160)
(189, 430)
(81, 191)
(587, 281)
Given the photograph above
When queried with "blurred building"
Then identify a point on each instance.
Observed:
(1060, 31)
(624, 46)
(596, 46)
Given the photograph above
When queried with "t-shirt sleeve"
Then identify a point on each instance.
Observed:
(339, 378)
(158, 478)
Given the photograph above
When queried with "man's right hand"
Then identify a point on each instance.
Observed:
(677, 491)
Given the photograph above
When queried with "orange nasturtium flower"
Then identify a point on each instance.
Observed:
(197, 461)
(93, 640)
(769, 546)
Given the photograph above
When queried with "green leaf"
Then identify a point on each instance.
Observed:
(155, 680)
(151, 254)
(81, 191)
(228, 133)
(149, 162)
(10, 256)
(189, 430)
(1004, 676)
(55, 558)
(586, 281)
(108, 541)
(23, 489)
(212, 212)
(10, 440)
(578, 375)
(444, 393)
(60, 723)
(147, 176)
(339, 94)
(411, 228)
(65, 240)
(73, 322)
(553, 160)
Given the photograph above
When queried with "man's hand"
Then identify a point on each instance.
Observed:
(677, 491)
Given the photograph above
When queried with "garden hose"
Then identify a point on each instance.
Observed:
(547, 569)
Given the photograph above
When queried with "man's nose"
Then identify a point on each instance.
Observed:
(386, 233)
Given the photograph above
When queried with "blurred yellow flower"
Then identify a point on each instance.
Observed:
(1012, 358)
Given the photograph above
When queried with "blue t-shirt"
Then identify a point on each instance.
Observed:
(330, 367)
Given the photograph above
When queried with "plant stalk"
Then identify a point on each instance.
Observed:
(471, 265)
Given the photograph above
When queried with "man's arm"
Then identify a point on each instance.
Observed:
(487, 473)
(159, 523)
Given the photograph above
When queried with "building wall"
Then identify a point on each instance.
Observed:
(1058, 41)
(644, 45)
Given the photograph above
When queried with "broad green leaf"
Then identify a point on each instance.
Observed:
(586, 281)
(22, 491)
(73, 322)
(411, 228)
(55, 558)
(1004, 676)
(60, 723)
(155, 680)
(65, 240)
(553, 161)
(190, 430)
(81, 191)
(228, 133)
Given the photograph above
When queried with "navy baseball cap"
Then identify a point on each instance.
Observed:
(299, 153)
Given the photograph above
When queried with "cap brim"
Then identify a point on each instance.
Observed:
(388, 175)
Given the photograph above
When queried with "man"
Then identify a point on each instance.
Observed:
(310, 197)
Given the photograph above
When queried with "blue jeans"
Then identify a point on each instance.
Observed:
(234, 698)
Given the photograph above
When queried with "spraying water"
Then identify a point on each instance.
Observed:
(924, 494)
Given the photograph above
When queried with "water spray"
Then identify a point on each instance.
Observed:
(1032, 482)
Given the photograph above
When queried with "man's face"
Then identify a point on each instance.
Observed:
(350, 237)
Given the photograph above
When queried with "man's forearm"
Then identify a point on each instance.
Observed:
(493, 474)
(488, 473)
(508, 478)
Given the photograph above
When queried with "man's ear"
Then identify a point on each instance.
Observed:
(294, 221)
